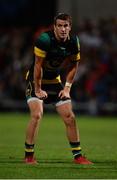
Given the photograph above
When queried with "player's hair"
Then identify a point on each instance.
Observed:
(63, 16)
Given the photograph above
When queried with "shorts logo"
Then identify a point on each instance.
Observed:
(29, 89)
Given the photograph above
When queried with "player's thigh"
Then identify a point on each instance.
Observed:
(36, 108)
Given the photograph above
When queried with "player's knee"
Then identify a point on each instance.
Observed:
(70, 119)
(36, 116)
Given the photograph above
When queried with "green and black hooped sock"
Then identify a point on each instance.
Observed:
(29, 150)
(76, 149)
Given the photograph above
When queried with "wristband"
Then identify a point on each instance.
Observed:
(67, 84)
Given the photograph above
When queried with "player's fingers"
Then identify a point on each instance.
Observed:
(59, 95)
(62, 96)
(42, 97)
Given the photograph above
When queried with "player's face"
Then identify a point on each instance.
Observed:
(62, 29)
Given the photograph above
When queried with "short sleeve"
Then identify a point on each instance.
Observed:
(76, 56)
(42, 45)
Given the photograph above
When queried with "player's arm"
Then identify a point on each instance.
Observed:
(71, 75)
(38, 77)
(40, 50)
(38, 72)
(72, 70)
(69, 80)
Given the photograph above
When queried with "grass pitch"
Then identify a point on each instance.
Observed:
(98, 141)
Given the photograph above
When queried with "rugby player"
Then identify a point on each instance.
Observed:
(55, 51)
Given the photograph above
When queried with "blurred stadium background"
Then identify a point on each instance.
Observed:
(95, 21)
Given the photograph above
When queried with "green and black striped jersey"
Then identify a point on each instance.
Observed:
(57, 55)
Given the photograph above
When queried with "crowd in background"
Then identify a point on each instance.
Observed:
(95, 83)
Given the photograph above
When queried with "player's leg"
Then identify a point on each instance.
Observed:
(65, 111)
(36, 111)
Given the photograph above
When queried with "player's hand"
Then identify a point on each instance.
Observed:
(41, 94)
(65, 93)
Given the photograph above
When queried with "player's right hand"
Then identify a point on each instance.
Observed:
(41, 94)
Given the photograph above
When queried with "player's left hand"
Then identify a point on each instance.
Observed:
(65, 93)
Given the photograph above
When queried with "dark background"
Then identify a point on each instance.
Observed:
(94, 21)
(27, 12)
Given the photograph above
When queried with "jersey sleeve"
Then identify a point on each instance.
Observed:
(41, 45)
(76, 57)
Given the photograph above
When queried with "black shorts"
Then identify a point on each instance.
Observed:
(51, 89)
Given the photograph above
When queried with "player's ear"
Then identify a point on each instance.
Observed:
(54, 27)
(70, 27)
